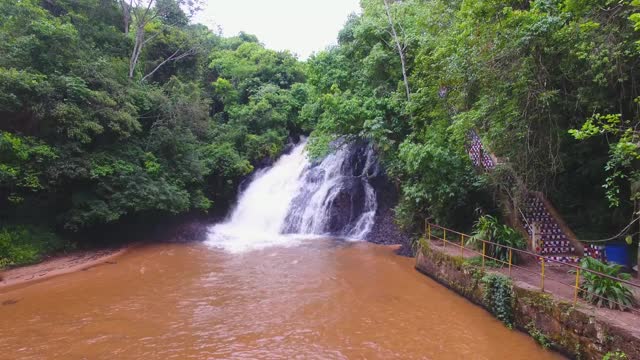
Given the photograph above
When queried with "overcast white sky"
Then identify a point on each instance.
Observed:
(302, 26)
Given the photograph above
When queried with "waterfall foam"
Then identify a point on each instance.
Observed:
(295, 200)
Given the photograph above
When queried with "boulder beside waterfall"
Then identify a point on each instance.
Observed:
(347, 194)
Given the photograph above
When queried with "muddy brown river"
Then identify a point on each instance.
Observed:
(321, 299)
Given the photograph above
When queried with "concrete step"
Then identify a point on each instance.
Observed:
(567, 258)
(557, 250)
(556, 243)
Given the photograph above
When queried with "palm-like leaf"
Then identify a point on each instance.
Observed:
(490, 229)
(603, 291)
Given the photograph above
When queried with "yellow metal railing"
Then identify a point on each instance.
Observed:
(439, 233)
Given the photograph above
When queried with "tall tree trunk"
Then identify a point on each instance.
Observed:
(137, 49)
(126, 15)
(399, 47)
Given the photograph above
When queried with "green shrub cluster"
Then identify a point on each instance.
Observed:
(604, 291)
(22, 245)
(615, 355)
(489, 228)
(477, 261)
(499, 297)
(538, 335)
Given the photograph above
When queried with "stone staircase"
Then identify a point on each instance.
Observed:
(479, 156)
(548, 233)
(545, 232)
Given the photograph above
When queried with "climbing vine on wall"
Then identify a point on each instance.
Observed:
(499, 297)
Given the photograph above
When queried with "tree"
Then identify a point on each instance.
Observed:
(83, 147)
(143, 13)
(400, 47)
(126, 7)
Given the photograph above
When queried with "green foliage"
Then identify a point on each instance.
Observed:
(422, 167)
(22, 164)
(622, 154)
(420, 245)
(477, 261)
(603, 291)
(521, 73)
(22, 245)
(489, 228)
(615, 355)
(499, 297)
(83, 145)
(538, 335)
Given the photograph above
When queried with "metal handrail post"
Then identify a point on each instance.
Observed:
(484, 251)
(542, 274)
(444, 238)
(575, 295)
(510, 258)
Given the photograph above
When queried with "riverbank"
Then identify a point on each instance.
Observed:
(58, 265)
(580, 332)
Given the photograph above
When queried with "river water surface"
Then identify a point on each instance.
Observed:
(319, 299)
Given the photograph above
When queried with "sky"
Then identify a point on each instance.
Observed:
(301, 26)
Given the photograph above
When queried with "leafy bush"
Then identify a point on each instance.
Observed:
(498, 297)
(420, 245)
(488, 228)
(538, 335)
(616, 355)
(436, 181)
(477, 261)
(602, 291)
(21, 245)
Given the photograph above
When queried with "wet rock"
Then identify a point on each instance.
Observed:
(347, 205)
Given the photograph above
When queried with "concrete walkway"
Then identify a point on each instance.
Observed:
(559, 282)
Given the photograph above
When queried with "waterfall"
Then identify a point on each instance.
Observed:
(296, 199)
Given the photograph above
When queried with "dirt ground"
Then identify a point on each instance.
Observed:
(558, 281)
(56, 266)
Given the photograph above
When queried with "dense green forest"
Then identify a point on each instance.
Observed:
(88, 139)
(110, 111)
(524, 74)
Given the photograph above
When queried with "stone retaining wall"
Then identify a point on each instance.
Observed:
(571, 331)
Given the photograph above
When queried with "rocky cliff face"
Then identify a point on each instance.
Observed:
(347, 194)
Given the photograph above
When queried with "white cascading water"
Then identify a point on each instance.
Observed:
(294, 200)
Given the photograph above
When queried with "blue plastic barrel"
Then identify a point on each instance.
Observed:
(618, 254)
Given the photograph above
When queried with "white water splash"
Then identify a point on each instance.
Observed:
(262, 208)
(291, 202)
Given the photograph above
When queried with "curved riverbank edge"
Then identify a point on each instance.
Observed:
(58, 265)
(573, 331)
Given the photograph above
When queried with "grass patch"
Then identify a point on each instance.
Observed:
(477, 261)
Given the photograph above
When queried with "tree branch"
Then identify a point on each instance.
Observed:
(176, 56)
(399, 48)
